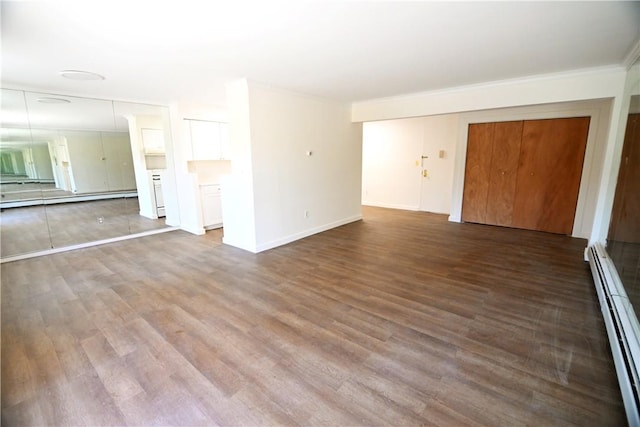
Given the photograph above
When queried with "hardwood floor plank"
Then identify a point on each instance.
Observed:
(403, 318)
(378, 404)
(113, 372)
(166, 404)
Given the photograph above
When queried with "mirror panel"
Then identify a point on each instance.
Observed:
(82, 162)
(86, 221)
(80, 132)
(48, 111)
(24, 229)
(623, 243)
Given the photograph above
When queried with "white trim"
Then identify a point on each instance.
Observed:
(296, 236)
(306, 233)
(391, 206)
(198, 231)
(229, 242)
(579, 85)
(68, 199)
(85, 245)
(498, 83)
(632, 56)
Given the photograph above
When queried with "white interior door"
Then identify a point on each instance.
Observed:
(438, 145)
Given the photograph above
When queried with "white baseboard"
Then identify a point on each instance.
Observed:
(391, 206)
(230, 242)
(67, 199)
(302, 234)
(622, 328)
(84, 245)
(198, 231)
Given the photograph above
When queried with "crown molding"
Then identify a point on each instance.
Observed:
(632, 56)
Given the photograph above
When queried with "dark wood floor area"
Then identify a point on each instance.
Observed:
(401, 319)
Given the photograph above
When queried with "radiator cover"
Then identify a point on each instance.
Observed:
(622, 326)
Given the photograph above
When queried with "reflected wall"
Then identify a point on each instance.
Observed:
(623, 243)
(71, 171)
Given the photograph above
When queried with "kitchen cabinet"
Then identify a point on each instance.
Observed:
(525, 174)
(153, 141)
(209, 140)
(210, 196)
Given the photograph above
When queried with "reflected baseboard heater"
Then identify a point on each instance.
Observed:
(622, 326)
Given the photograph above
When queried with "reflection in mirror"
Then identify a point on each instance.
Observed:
(71, 170)
(21, 177)
(623, 243)
(147, 129)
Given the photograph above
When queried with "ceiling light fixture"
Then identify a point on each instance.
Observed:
(80, 75)
(52, 100)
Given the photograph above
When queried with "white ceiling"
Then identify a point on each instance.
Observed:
(163, 52)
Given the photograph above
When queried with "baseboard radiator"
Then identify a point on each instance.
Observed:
(622, 326)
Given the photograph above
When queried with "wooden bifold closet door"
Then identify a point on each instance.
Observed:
(525, 174)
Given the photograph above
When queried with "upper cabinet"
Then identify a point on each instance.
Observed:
(153, 141)
(208, 140)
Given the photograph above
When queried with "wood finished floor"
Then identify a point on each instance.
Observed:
(38, 228)
(400, 319)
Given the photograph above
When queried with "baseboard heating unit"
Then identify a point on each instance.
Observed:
(622, 326)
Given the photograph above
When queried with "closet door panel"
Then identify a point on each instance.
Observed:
(503, 174)
(477, 172)
(550, 168)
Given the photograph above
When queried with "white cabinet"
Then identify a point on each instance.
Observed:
(211, 205)
(209, 140)
(225, 142)
(153, 141)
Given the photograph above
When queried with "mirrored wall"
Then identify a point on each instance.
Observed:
(75, 170)
(623, 243)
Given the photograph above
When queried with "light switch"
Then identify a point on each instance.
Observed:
(441, 154)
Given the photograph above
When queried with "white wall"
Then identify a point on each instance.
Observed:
(238, 207)
(392, 163)
(296, 159)
(390, 176)
(440, 134)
